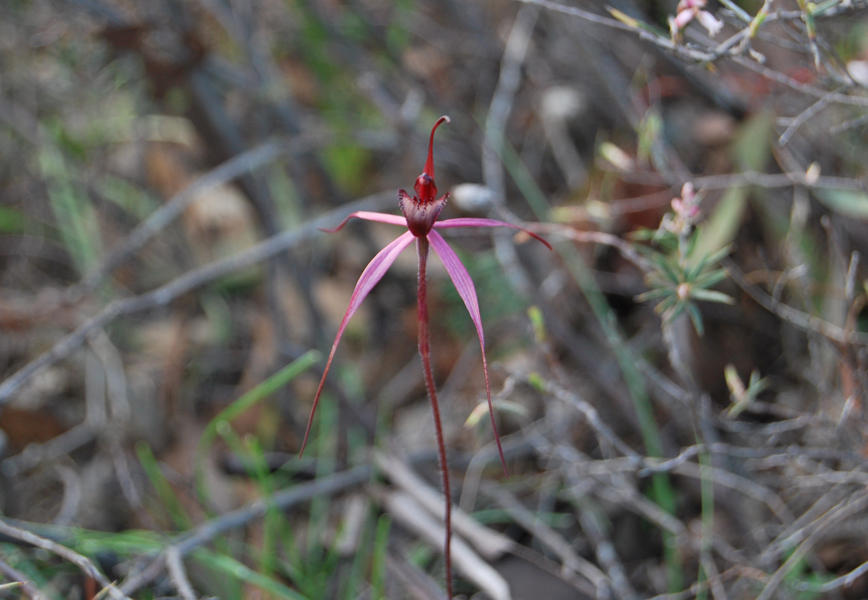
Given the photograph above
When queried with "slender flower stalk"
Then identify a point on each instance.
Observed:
(420, 214)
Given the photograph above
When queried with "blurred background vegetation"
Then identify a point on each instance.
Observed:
(164, 167)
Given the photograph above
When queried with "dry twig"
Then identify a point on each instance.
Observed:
(177, 573)
(82, 562)
(183, 284)
(282, 500)
(21, 579)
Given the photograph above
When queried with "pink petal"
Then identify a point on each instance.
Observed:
(710, 22)
(471, 222)
(464, 284)
(682, 19)
(372, 274)
(370, 216)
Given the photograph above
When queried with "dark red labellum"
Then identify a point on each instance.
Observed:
(422, 210)
(420, 215)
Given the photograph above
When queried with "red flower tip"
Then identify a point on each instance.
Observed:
(429, 164)
(426, 189)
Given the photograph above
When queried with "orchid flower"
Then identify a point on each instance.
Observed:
(420, 214)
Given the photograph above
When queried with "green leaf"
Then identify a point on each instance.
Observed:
(711, 296)
(167, 495)
(706, 262)
(378, 560)
(752, 147)
(127, 196)
(699, 272)
(244, 403)
(669, 316)
(849, 203)
(240, 571)
(707, 280)
(667, 304)
(649, 134)
(695, 317)
(666, 269)
(642, 235)
(537, 382)
(721, 227)
(653, 294)
(538, 323)
(74, 213)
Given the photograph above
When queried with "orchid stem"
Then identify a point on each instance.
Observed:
(425, 353)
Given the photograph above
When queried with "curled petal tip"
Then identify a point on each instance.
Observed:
(429, 164)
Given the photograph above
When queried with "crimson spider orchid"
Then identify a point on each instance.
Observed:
(420, 214)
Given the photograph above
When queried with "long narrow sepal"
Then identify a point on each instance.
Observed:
(369, 216)
(372, 274)
(472, 222)
(464, 284)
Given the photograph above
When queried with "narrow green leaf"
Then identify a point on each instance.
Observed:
(712, 278)
(711, 296)
(642, 235)
(669, 316)
(695, 317)
(722, 225)
(667, 305)
(378, 561)
(752, 147)
(719, 255)
(849, 203)
(244, 403)
(240, 571)
(666, 269)
(167, 495)
(74, 213)
(653, 294)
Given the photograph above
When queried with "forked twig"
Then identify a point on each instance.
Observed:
(177, 573)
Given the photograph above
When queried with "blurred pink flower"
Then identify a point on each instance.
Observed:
(686, 209)
(686, 11)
